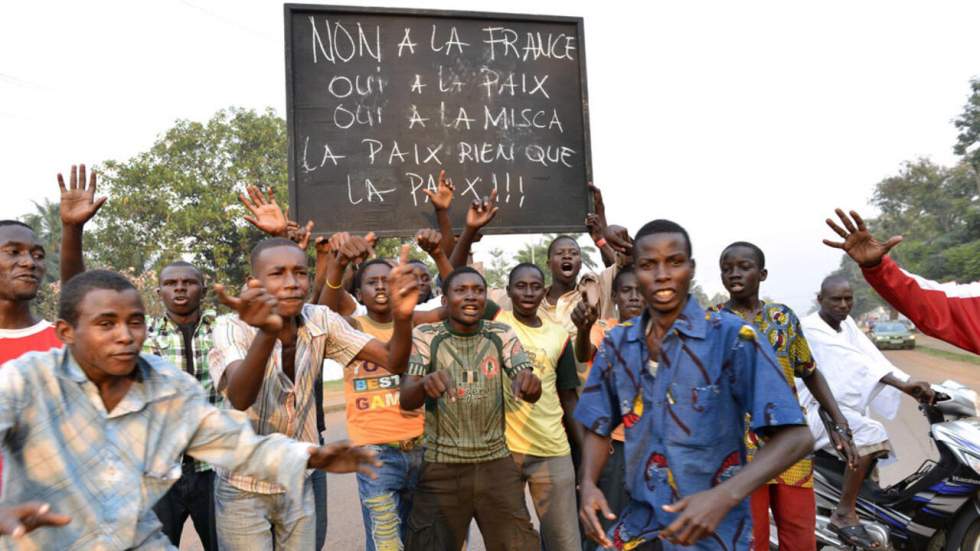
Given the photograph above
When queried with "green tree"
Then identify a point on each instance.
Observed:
(968, 124)
(46, 221)
(179, 198)
(937, 210)
(498, 269)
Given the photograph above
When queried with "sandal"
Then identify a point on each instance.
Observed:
(854, 535)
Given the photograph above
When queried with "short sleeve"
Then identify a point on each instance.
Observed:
(800, 357)
(597, 405)
(512, 354)
(759, 383)
(232, 338)
(343, 341)
(566, 371)
(420, 359)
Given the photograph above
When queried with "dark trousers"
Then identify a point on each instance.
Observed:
(450, 495)
(193, 496)
(320, 499)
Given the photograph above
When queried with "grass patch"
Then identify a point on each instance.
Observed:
(945, 354)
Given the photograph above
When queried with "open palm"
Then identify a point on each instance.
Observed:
(266, 214)
(858, 242)
(78, 202)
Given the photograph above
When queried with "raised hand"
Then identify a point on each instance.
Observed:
(301, 236)
(594, 226)
(266, 214)
(619, 239)
(341, 457)
(592, 500)
(78, 202)
(481, 212)
(526, 386)
(403, 287)
(352, 248)
(438, 383)
(599, 203)
(858, 242)
(699, 515)
(322, 245)
(255, 306)
(442, 197)
(429, 240)
(584, 315)
(17, 520)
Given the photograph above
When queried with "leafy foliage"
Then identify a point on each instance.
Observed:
(178, 200)
(937, 211)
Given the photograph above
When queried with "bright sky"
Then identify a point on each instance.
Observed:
(739, 120)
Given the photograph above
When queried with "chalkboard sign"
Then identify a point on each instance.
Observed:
(379, 100)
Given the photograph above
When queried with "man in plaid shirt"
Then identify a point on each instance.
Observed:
(182, 336)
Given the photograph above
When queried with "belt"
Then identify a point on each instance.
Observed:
(406, 445)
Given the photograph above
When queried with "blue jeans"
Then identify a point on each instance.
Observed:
(247, 521)
(387, 500)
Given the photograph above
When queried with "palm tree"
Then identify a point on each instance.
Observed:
(46, 221)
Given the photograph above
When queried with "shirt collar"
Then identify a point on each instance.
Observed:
(727, 306)
(692, 322)
(314, 325)
(149, 386)
(164, 323)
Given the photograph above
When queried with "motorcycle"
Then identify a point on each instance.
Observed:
(936, 508)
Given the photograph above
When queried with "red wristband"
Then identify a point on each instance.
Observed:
(601, 242)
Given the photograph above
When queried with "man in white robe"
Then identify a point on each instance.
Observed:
(861, 378)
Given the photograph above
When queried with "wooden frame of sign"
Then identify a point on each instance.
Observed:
(378, 101)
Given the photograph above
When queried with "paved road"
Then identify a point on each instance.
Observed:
(908, 431)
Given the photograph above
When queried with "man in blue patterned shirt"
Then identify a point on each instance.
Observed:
(182, 336)
(98, 430)
(681, 382)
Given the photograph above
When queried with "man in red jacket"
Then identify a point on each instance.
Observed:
(947, 311)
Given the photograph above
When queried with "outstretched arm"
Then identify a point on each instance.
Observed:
(243, 378)
(584, 317)
(442, 199)
(430, 241)
(78, 206)
(947, 311)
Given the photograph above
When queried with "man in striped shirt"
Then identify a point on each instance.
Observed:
(266, 361)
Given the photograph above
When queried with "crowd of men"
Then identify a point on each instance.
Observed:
(635, 418)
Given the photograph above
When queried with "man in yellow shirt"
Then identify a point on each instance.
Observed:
(536, 433)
